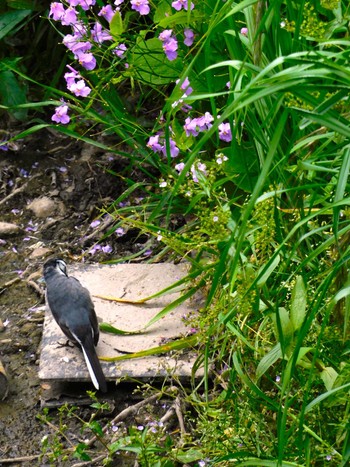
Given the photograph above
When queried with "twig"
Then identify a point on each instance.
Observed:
(169, 413)
(18, 190)
(12, 281)
(178, 411)
(35, 287)
(106, 223)
(122, 415)
(91, 462)
(128, 411)
(12, 460)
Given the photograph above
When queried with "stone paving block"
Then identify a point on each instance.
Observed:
(128, 281)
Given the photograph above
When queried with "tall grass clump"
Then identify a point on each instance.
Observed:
(238, 113)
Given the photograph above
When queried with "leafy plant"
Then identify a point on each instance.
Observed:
(243, 133)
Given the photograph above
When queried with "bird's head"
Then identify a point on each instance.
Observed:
(55, 265)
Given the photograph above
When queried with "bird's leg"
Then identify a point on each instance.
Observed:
(65, 343)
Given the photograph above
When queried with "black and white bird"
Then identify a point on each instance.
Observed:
(71, 306)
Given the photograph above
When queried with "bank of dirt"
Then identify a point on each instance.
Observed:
(75, 181)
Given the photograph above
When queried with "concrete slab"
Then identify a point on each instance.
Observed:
(128, 281)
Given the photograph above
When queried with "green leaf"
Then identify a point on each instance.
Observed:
(328, 376)
(180, 17)
(106, 327)
(180, 344)
(116, 25)
(298, 303)
(267, 270)
(150, 64)
(192, 455)
(324, 396)
(10, 19)
(268, 360)
(286, 325)
(12, 93)
(163, 10)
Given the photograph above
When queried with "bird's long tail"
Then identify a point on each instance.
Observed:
(93, 364)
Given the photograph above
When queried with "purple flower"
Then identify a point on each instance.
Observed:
(141, 6)
(107, 12)
(200, 168)
(87, 61)
(225, 132)
(79, 29)
(189, 37)
(244, 31)
(170, 48)
(174, 150)
(56, 11)
(185, 86)
(153, 143)
(179, 167)
(190, 127)
(181, 4)
(86, 4)
(80, 89)
(99, 34)
(94, 249)
(119, 50)
(204, 122)
(3, 146)
(23, 173)
(120, 231)
(118, 2)
(71, 77)
(196, 125)
(95, 223)
(74, 44)
(165, 35)
(107, 249)
(69, 17)
(61, 114)
(170, 44)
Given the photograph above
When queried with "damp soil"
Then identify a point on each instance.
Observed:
(76, 181)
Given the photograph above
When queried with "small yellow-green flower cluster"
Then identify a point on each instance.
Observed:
(244, 294)
(293, 101)
(330, 4)
(264, 220)
(312, 26)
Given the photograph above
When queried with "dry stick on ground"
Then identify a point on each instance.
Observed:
(121, 416)
(177, 406)
(106, 223)
(90, 462)
(37, 289)
(19, 189)
(12, 460)
(125, 413)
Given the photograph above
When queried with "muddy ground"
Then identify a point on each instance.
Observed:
(74, 182)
